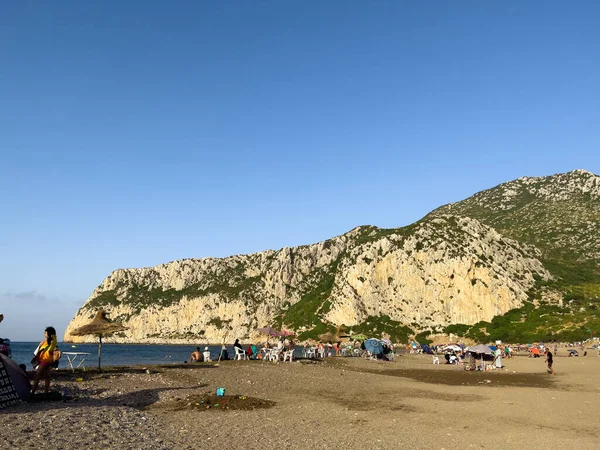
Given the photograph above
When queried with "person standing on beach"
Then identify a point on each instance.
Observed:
(44, 356)
(549, 361)
(237, 344)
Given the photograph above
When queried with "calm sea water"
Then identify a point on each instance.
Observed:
(121, 354)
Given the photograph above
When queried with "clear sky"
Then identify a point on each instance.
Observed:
(136, 133)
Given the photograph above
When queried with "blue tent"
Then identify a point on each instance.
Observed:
(427, 349)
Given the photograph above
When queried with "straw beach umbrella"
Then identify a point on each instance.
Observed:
(99, 326)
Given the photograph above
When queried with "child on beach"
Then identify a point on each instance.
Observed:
(44, 358)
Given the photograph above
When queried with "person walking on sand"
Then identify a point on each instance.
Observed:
(549, 361)
(44, 357)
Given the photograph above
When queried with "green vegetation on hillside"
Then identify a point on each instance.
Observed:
(308, 311)
(546, 213)
(532, 323)
(375, 326)
(229, 285)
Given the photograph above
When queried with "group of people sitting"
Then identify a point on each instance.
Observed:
(200, 356)
(252, 351)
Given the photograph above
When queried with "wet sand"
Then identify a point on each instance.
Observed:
(336, 403)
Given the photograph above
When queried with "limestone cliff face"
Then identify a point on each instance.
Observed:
(436, 272)
(466, 274)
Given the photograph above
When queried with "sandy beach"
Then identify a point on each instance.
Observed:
(335, 403)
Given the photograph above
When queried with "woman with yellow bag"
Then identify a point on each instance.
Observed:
(44, 358)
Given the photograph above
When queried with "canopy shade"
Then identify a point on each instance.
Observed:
(374, 346)
(269, 331)
(480, 349)
(99, 326)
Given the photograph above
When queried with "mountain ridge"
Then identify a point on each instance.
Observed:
(461, 264)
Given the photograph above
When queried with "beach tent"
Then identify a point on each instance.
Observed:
(14, 384)
(426, 349)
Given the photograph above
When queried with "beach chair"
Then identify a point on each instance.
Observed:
(275, 354)
(311, 352)
(368, 355)
(288, 355)
(240, 354)
(436, 360)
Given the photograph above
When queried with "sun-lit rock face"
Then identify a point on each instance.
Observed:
(463, 263)
(437, 272)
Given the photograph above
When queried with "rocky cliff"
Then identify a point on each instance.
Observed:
(465, 263)
(433, 273)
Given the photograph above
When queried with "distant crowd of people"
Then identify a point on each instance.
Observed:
(252, 351)
(319, 349)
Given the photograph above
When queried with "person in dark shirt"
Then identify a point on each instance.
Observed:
(224, 354)
(549, 361)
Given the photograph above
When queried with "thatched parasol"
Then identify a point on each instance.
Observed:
(329, 336)
(99, 326)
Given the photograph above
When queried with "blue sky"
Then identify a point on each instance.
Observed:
(135, 133)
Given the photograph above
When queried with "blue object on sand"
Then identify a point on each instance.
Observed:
(374, 346)
(426, 349)
(220, 392)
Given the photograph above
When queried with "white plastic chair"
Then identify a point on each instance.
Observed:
(274, 356)
(266, 353)
(436, 360)
(240, 354)
(311, 353)
(288, 355)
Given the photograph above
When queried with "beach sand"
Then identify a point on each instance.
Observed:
(336, 403)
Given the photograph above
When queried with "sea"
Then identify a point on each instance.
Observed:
(122, 354)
